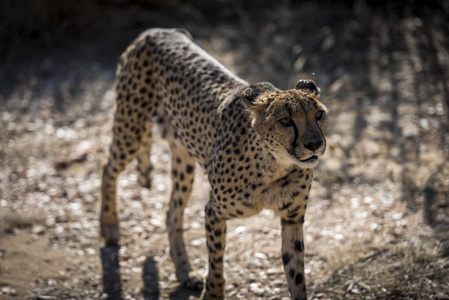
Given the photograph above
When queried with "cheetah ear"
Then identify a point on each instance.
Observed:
(249, 96)
(308, 86)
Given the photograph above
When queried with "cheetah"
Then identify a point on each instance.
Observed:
(257, 144)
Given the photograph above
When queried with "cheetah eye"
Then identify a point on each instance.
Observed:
(319, 115)
(287, 122)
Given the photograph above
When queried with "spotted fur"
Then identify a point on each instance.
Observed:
(257, 144)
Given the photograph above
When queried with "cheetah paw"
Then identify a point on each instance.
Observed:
(110, 234)
(144, 179)
(194, 281)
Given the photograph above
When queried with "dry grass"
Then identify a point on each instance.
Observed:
(410, 270)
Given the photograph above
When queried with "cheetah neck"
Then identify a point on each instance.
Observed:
(275, 168)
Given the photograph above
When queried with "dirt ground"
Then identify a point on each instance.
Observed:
(377, 226)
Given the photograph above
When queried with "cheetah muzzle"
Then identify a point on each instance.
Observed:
(257, 144)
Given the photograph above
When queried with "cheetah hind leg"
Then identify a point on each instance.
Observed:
(182, 175)
(144, 165)
(119, 158)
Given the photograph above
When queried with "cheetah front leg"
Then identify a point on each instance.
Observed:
(293, 258)
(216, 243)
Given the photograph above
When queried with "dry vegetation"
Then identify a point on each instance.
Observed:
(378, 222)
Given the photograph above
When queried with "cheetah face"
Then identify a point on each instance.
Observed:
(290, 122)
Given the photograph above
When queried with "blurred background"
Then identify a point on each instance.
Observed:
(378, 221)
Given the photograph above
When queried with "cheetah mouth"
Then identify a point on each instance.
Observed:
(310, 159)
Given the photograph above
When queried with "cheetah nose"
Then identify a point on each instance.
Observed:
(313, 144)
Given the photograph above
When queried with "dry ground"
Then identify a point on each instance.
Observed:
(378, 221)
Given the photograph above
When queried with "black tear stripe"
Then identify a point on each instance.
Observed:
(295, 129)
(295, 140)
(322, 134)
(318, 125)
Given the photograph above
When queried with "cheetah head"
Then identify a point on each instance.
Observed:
(290, 122)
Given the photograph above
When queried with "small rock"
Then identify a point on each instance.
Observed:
(240, 229)
(271, 271)
(260, 255)
(38, 229)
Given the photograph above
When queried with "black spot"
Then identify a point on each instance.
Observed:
(285, 205)
(287, 182)
(248, 204)
(299, 278)
(299, 246)
(294, 209)
(291, 273)
(285, 222)
(286, 258)
(292, 216)
(189, 169)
